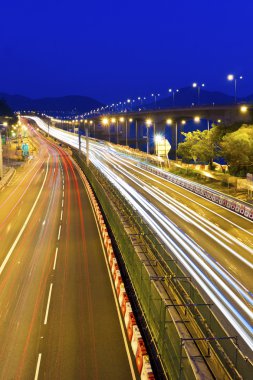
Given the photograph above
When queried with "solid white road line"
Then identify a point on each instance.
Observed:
(55, 258)
(59, 233)
(7, 257)
(37, 367)
(48, 303)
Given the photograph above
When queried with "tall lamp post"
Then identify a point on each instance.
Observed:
(113, 120)
(148, 124)
(121, 119)
(105, 122)
(170, 122)
(195, 85)
(173, 92)
(232, 77)
(136, 134)
(155, 96)
(130, 121)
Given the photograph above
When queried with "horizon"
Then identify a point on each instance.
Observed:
(162, 95)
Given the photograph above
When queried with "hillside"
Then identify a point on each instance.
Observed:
(67, 105)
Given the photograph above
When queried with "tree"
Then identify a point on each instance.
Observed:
(185, 148)
(199, 146)
(237, 150)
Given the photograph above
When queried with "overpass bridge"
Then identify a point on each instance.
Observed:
(138, 128)
(130, 128)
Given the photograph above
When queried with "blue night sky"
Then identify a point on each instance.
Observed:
(112, 50)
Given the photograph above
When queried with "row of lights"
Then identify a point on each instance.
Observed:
(173, 92)
(113, 120)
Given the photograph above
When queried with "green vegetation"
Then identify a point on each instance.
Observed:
(237, 150)
(234, 145)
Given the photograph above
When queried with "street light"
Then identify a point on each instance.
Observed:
(92, 122)
(129, 101)
(113, 121)
(170, 122)
(196, 119)
(148, 124)
(173, 94)
(243, 109)
(195, 85)
(155, 96)
(105, 122)
(121, 120)
(232, 77)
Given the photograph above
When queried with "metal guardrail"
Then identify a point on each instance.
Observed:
(232, 204)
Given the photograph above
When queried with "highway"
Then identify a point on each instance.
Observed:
(212, 244)
(58, 315)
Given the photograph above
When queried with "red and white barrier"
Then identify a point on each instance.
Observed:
(214, 196)
(133, 332)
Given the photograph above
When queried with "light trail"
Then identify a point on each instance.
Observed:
(226, 292)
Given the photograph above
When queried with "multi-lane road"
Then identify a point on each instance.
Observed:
(58, 315)
(212, 244)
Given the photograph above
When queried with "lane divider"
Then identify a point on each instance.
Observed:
(48, 303)
(134, 335)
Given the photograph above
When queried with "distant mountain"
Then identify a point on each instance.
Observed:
(67, 105)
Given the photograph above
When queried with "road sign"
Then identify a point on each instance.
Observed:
(25, 149)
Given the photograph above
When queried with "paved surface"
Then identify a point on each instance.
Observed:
(58, 318)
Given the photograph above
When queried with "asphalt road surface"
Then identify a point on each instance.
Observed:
(58, 316)
(213, 245)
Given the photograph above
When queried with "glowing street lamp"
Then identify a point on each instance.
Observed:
(243, 109)
(169, 121)
(129, 101)
(196, 119)
(231, 78)
(195, 85)
(94, 126)
(121, 120)
(155, 96)
(148, 124)
(105, 122)
(173, 94)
